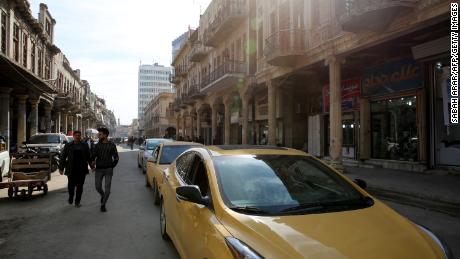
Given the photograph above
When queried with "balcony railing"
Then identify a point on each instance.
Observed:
(225, 75)
(285, 47)
(228, 17)
(198, 52)
(372, 15)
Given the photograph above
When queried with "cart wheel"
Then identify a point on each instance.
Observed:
(30, 190)
(16, 191)
(23, 192)
(39, 188)
(45, 189)
(10, 192)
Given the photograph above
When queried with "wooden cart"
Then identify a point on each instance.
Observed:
(29, 172)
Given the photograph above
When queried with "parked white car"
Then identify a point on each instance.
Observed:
(4, 158)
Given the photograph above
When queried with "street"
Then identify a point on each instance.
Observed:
(47, 227)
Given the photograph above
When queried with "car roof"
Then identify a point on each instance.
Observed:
(181, 143)
(253, 150)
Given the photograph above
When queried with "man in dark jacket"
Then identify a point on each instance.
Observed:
(104, 157)
(75, 159)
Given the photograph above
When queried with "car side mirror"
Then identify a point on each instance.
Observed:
(361, 183)
(192, 193)
(152, 160)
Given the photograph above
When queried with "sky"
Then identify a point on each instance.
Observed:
(107, 40)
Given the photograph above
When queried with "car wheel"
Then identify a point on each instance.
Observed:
(164, 233)
(156, 193)
(138, 164)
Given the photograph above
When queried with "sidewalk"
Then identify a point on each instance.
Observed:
(435, 192)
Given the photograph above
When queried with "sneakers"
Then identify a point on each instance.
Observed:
(70, 200)
(103, 209)
(77, 205)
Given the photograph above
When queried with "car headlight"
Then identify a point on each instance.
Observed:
(441, 244)
(240, 250)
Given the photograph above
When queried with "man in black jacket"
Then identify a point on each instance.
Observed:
(75, 159)
(104, 157)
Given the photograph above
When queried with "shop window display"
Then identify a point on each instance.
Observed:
(394, 129)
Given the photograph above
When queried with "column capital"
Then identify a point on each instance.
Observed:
(22, 98)
(334, 59)
(5, 91)
(34, 101)
(48, 108)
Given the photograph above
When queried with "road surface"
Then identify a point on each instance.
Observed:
(47, 227)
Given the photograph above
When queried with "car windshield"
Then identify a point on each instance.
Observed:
(152, 144)
(44, 139)
(280, 183)
(170, 153)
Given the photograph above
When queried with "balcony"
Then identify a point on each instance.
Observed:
(198, 52)
(229, 16)
(195, 92)
(174, 79)
(286, 47)
(229, 74)
(372, 15)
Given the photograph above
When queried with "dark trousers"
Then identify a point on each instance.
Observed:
(99, 176)
(76, 182)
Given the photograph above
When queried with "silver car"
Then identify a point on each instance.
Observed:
(146, 149)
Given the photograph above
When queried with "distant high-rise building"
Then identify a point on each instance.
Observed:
(153, 79)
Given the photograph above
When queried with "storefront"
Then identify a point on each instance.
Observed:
(351, 92)
(394, 91)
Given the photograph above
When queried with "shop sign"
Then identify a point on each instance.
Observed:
(351, 91)
(400, 75)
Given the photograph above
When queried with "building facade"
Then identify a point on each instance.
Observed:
(357, 82)
(39, 91)
(153, 80)
(159, 117)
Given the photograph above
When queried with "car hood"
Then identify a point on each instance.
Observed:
(44, 145)
(374, 232)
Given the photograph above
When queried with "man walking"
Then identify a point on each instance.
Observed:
(75, 158)
(104, 158)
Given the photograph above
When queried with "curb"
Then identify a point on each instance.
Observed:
(452, 209)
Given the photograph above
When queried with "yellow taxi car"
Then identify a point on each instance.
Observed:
(163, 155)
(272, 202)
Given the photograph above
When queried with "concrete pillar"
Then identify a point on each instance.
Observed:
(48, 109)
(77, 123)
(65, 118)
(184, 126)
(198, 124)
(214, 123)
(33, 117)
(177, 126)
(271, 113)
(335, 115)
(58, 122)
(192, 124)
(365, 129)
(21, 119)
(5, 114)
(227, 121)
(245, 121)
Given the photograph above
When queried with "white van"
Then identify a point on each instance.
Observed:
(4, 158)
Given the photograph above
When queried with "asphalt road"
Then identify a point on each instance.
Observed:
(47, 227)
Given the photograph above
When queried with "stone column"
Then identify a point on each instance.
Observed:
(227, 121)
(5, 114)
(335, 114)
(177, 126)
(65, 122)
(214, 123)
(58, 122)
(198, 124)
(271, 113)
(192, 124)
(184, 126)
(34, 116)
(77, 123)
(48, 109)
(21, 119)
(245, 120)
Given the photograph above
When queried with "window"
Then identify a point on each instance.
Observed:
(40, 62)
(47, 67)
(3, 33)
(48, 27)
(32, 58)
(16, 42)
(394, 129)
(25, 40)
(183, 165)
